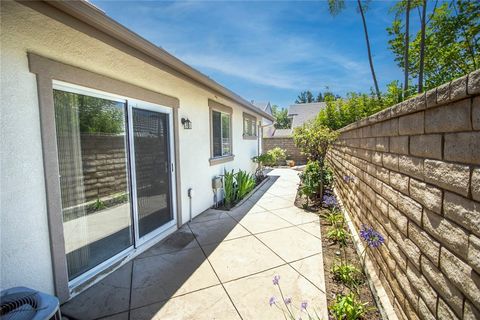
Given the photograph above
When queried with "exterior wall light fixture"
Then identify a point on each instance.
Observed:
(187, 124)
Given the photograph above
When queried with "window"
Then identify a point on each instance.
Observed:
(222, 142)
(220, 133)
(249, 126)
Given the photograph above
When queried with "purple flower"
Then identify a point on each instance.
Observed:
(346, 179)
(275, 280)
(330, 200)
(272, 301)
(372, 237)
(304, 305)
(288, 300)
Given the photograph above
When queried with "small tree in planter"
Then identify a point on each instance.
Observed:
(314, 139)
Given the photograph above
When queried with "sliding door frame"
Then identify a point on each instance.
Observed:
(46, 71)
(142, 105)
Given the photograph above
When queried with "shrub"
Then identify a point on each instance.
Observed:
(308, 188)
(327, 176)
(314, 139)
(265, 159)
(348, 307)
(279, 155)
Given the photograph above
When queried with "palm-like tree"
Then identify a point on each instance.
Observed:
(422, 46)
(407, 45)
(335, 6)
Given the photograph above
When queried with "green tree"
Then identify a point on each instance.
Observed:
(282, 120)
(322, 97)
(313, 139)
(305, 97)
(341, 112)
(451, 43)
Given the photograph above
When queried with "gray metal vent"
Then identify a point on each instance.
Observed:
(22, 303)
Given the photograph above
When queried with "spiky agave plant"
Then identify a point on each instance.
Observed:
(229, 187)
(245, 184)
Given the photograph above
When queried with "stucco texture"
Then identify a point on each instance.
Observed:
(25, 250)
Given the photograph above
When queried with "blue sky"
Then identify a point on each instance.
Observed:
(267, 51)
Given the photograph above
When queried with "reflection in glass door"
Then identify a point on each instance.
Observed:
(92, 157)
(152, 170)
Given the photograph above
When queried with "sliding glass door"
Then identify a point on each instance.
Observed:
(92, 154)
(116, 181)
(152, 168)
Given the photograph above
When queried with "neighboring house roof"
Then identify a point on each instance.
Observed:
(94, 18)
(264, 106)
(303, 112)
(282, 133)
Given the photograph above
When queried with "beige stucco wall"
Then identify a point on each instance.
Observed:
(25, 251)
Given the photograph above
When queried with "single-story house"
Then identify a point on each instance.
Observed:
(303, 112)
(267, 124)
(109, 144)
(299, 114)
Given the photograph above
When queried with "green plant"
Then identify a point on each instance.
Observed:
(99, 205)
(348, 274)
(313, 139)
(348, 307)
(327, 176)
(308, 188)
(334, 217)
(245, 184)
(311, 179)
(338, 234)
(265, 159)
(279, 155)
(229, 187)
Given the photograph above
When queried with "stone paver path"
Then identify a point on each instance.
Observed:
(221, 265)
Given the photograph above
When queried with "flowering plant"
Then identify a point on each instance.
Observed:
(373, 238)
(288, 308)
(330, 201)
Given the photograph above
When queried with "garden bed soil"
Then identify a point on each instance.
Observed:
(331, 256)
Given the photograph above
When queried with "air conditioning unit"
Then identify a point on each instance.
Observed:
(22, 303)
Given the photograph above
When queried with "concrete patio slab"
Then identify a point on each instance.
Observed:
(109, 296)
(183, 238)
(251, 294)
(160, 277)
(291, 243)
(274, 203)
(313, 228)
(296, 215)
(206, 304)
(263, 221)
(312, 269)
(240, 257)
(220, 266)
(215, 231)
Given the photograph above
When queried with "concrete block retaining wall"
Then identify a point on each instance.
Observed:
(417, 180)
(293, 152)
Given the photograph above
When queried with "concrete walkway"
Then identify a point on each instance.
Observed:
(221, 265)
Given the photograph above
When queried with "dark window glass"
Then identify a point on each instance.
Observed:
(217, 133)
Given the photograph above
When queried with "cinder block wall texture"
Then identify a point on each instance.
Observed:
(293, 152)
(417, 180)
